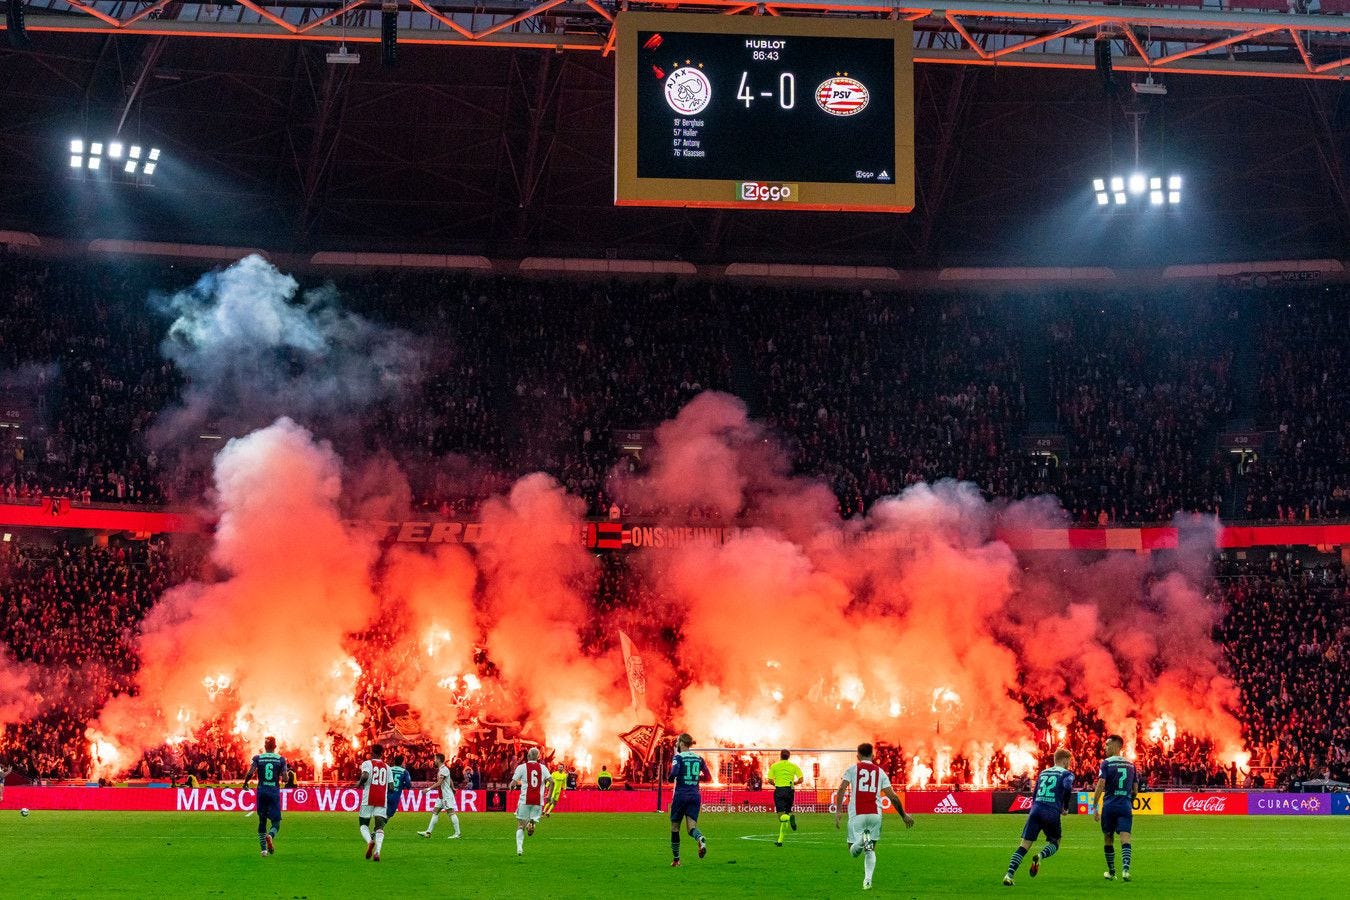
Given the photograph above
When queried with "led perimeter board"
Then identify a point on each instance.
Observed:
(764, 112)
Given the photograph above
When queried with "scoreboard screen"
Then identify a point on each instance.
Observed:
(735, 111)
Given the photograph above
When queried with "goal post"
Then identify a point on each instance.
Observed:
(741, 783)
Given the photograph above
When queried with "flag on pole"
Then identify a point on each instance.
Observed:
(643, 740)
(637, 675)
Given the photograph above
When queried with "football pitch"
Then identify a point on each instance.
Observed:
(70, 854)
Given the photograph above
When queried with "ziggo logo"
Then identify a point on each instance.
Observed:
(767, 192)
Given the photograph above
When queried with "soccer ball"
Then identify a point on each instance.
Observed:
(24, 811)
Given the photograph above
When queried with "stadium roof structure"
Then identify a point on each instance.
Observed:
(494, 133)
(1272, 38)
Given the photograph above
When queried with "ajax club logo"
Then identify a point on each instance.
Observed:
(688, 90)
(842, 96)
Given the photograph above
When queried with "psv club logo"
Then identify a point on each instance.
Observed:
(688, 90)
(842, 96)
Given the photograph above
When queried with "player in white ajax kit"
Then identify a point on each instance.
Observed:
(864, 782)
(532, 778)
(374, 785)
(446, 803)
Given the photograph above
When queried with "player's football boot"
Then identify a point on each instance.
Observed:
(674, 863)
(867, 885)
(370, 848)
(1035, 865)
(1007, 881)
(702, 848)
(264, 853)
(867, 842)
(271, 847)
(425, 834)
(778, 843)
(452, 837)
(1109, 876)
(375, 858)
(1125, 875)
(529, 828)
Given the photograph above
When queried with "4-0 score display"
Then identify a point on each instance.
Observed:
(734, 111)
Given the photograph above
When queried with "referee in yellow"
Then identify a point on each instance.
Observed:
(784, 774)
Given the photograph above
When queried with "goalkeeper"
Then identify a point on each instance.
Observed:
(784, 774)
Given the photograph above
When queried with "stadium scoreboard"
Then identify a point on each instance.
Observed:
(736, 111)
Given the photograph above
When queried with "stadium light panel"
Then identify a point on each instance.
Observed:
(135, 152)
(77, 162)
(1120, 198)
(1102, 199)
(77, 146)
(1155, 184)
(154, 154)
(1174, 183)
(1174, 197)
(150, 168)
(96, 148)
(94, 162)
(1137, 183)
(1098, 185)
(115, 150)
(1117, 183)
(130, 167)
(1155, 197)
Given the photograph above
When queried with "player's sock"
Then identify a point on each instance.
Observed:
(431, 826)
(379, 841)
(1110, 852)
(1016, 860)
(365, 833)
(520, 840)
(1049, 850)
(782, 827)
(1125, 856)
(675, 844)
(869, 865)
(695, 833)
(454, 820)
(262, 842)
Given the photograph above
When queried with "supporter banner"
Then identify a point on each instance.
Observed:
(950, 802)
(610, 535)
(1340, 804)
(1289, 804)
(1205, 804)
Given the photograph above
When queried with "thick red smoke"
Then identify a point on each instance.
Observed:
(916, 624)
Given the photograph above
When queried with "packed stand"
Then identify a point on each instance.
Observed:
(878, 392)
(68, 614)
(1142, 387)
(1287, 637)
(1304, 471)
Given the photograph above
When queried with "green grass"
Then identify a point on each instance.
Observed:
(67, 854)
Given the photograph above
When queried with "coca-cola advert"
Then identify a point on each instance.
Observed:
(1289, 804)
(1205, 804)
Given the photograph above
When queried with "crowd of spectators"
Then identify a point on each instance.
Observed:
(870, 391)
(1287, 637)
(68, 618)
(1141, 387)
(1304, 473)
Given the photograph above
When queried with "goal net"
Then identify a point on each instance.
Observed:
(741, 782)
